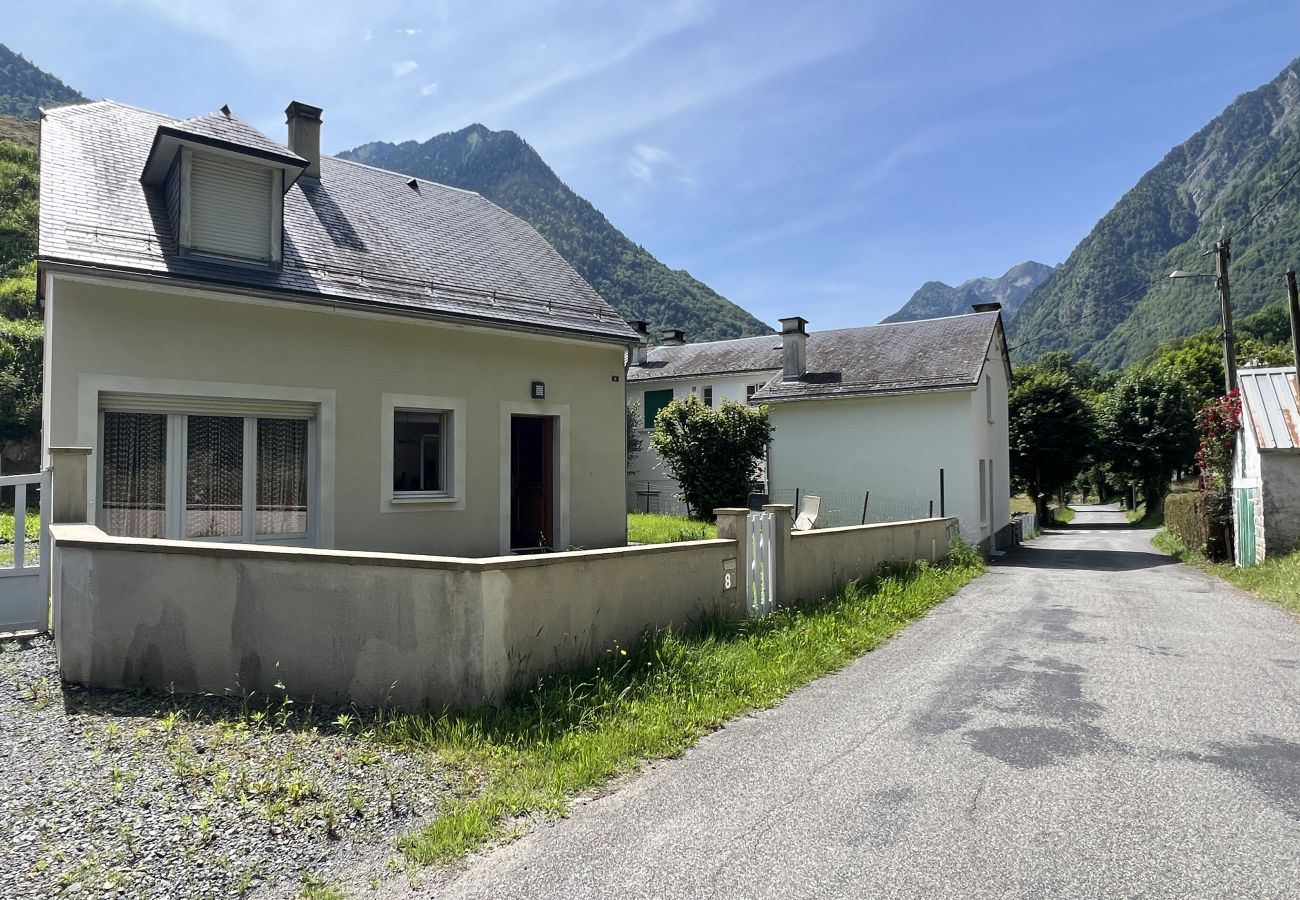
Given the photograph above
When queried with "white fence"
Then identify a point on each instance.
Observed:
(24, 561)
(760, 533)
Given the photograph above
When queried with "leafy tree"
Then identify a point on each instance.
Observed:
(715, 454)
(1147, 430)
(21, 346)
(1051, 432)
(631, 422)
(18, 216)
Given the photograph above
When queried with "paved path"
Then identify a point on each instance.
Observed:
(1090, 719)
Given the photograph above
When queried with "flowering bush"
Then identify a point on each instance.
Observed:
(1217, 424)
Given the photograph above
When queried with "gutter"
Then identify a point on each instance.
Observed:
(860, 395)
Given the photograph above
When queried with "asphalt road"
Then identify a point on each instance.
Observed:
(1090, 719)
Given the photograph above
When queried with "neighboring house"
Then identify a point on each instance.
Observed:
(1266, 474)
(262, 344)
(712, 371)
(882, 409)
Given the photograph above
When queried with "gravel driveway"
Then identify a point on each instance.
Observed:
(1089, 719)
(114, 794)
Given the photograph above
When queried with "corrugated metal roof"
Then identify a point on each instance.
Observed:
(924, 355)
(1270, 400)
(359, 234)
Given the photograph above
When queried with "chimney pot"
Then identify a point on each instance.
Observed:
(304, 134)
(992, 306)
(637, 351)
(794, 348)
(674, 337)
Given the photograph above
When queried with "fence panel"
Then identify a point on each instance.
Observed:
(24, 552)
(840, 508)
(760, 533)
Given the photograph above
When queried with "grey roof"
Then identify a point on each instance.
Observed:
(1269, 399)
(232, 131)
(925, 355)
(358, 235)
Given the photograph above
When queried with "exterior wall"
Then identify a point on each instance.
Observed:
(98, 332)
(377, 628)
(645, 465)
(990, 428)
(822, 561)
(1279, 508)
(891, 446)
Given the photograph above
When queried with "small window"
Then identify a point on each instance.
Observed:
(420, 452)
(752, 389)
(655, 401)
(708, 396)
(984, 495)
(988, 398)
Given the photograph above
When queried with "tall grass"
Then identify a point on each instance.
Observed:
(567, 733)
(655, 528)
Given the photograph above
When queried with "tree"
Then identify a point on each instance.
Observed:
(21, 345)
(715, 454)
(1147, 430)
(1052, 433)
(631, 421)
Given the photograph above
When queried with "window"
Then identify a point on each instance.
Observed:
(988, 398)
(227, 210)
(206, 476)
(655, 401)
(752, 389)
(708, 396)
(984, 495)
(419, 452)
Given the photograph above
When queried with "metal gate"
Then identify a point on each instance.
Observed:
(760, 532)
(24, 559)
(1245, 527)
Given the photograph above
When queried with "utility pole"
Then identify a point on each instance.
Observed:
(1223, 253)
(1293, 300)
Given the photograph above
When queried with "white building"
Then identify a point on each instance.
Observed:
(882, 422)
(1266, 478)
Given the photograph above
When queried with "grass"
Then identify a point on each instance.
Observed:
(1022, 503)
(571, 733)
(1276, 580)
(1144, 517)
(654, 528)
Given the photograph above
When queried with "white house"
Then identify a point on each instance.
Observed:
(1266, 476)
(881, 422)
(259, 343)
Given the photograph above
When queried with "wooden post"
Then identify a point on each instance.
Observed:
(941, 503)
(1222, 253)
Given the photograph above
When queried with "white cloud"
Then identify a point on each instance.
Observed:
(428, 90)
(638, 169)
(405, 67)
(650, 154)
(410, 32)
(368, 35)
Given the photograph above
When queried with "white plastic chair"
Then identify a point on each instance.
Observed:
(809, 506)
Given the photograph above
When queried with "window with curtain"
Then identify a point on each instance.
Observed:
(281, 476)
(214, 476)
(135, 474)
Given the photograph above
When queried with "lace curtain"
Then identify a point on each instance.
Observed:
(281, 476)
(135, 474)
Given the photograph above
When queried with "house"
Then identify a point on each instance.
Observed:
(1266, 474)
(259, 343)
(892, 418)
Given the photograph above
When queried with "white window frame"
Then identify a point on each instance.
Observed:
(453, 451)
(89, 434)
(184, 227)
(984, 493)
(988, 399)
(707, 396)
(177, 454)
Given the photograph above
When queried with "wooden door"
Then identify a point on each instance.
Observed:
(532, 483)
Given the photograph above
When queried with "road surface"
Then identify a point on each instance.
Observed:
(1090, 719)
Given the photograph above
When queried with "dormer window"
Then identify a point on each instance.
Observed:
(224, 184)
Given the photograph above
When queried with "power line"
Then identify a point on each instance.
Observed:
(1266, 204)
(1095, 311)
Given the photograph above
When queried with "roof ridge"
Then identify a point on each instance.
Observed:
(109, 101)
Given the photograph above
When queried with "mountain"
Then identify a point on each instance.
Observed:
(935, 299)
(24, 88)
(1098, 304)
(504, 168)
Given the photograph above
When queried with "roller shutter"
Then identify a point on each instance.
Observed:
(230, 209)
(206, 406)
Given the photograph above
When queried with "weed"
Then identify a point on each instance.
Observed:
(314, 887)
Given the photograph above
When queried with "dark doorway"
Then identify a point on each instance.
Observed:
(532, 483)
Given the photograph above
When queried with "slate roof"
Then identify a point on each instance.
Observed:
(358, 235)
(1270, 399)
(925, 355)
(234, 132)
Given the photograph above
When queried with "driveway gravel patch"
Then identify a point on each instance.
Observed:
(118, 794)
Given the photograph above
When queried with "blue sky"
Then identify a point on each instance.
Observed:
(820, 158)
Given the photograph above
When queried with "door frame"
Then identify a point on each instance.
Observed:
(559, 412)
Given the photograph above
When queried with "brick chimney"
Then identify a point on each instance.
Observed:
(637, 351)
(674, 337)
(794, 348)
(304, 134)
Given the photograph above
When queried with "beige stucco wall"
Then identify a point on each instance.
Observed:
(820, 562)
(100, 330)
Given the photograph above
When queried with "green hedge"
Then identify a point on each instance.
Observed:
(1202, 522)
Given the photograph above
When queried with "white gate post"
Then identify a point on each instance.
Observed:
(783, 513)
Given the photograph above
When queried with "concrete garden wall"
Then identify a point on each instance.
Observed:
(376, 628)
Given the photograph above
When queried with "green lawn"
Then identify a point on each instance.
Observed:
(1276, 580)
(569, 733)
(32, 526)
(653, 528)
(1023, 504)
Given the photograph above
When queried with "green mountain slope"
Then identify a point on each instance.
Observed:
(24, 88)
(1175, 212)
(504, 168)
(935, 299)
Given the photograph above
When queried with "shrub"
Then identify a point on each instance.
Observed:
(715, 454)
(1183, 520)
(1201, 522)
